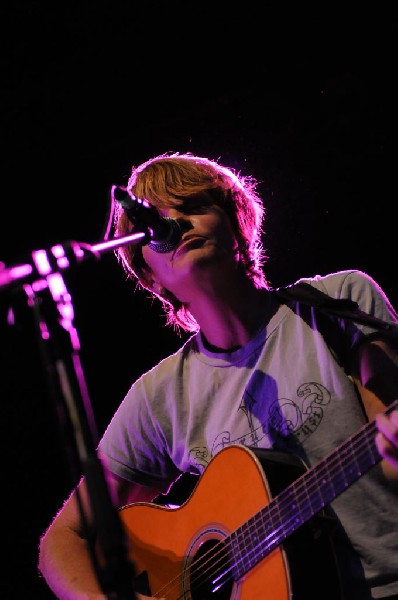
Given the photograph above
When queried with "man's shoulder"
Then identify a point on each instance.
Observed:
(339, 284)
(170, 363)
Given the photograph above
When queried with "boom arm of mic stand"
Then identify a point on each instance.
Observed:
(48, 297)
(61, 257)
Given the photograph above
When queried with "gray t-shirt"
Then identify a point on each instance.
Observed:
(283, 390)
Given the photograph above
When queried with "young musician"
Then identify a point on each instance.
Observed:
(257, 372)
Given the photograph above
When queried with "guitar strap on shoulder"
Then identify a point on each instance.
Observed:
(328, 308)
(344, 308)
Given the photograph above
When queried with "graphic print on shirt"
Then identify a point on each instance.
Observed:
(200, 456)
(300, 417)
(286, 422)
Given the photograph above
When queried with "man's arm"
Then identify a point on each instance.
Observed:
(375, 372)
(64, 557)
(387, 439)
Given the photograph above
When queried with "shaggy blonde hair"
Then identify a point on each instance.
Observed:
(171, 180)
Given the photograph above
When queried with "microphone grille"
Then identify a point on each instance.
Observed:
(171, 241)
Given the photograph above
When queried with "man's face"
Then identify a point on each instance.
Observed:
(207, 250)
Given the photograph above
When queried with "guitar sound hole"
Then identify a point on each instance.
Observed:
(210, 574)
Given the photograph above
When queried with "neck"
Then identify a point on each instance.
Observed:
(230, 319)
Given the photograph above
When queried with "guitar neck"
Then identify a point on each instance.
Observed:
(305, 497)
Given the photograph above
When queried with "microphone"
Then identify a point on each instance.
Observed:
(164, 232)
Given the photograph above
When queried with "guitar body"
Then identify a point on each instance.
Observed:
(178, 552)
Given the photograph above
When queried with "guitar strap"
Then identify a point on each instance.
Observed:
(328, 308)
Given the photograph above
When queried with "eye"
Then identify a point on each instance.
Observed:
(197, 205)
(194, 209)
(194, 205)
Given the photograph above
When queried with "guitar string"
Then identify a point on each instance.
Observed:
(269, 510)
(266, 543)
(254, 521)
(212, 555)
(272, 510)
(291, 520)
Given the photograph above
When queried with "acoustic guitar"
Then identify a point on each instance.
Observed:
(254, 527)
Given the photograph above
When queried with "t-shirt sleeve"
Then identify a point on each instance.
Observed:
(362, 289)
(133, 442)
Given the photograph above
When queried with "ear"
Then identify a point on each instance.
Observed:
(151, 283)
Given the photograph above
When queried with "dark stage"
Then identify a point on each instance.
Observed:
(309, 109)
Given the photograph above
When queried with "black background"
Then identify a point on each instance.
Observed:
(305, 104)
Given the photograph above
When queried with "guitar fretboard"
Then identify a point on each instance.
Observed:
(304, 498)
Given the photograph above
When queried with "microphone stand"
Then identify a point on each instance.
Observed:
(44, 289)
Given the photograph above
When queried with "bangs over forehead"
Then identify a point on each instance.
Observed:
(169, 180)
